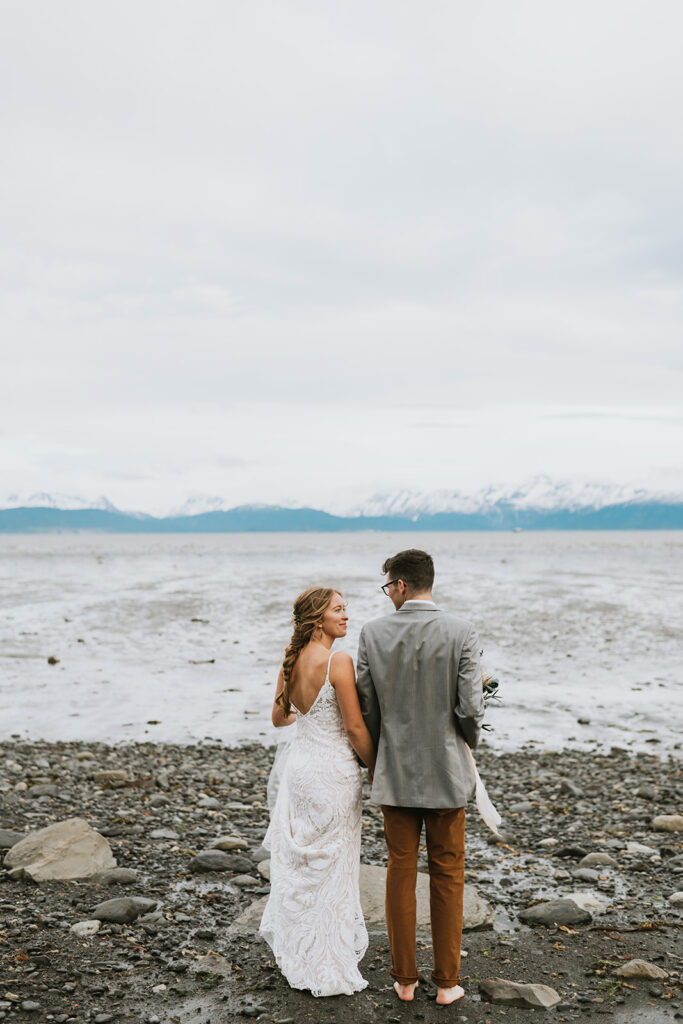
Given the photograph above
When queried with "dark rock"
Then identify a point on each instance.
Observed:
(47, 789)
(217, 860)
(115, 876)
(8, 838)
(555, 912)
(576, 852)
(122, 910)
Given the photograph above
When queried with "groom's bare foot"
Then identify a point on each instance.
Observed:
(406, 993)
(446, 996)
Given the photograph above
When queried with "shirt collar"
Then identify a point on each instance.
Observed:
(417, 603)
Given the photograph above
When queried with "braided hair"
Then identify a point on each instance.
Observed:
(309, 609)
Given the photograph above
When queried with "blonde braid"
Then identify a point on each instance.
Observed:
(309, 609)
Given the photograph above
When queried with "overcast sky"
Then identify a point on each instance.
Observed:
(304, 251)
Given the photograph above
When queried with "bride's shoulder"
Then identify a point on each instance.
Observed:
(340, 658)
(341, 667)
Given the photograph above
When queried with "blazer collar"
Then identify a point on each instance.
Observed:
(418, 606)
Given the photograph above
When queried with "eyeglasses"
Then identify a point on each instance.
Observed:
(385, 586)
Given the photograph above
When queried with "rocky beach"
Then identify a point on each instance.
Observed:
(577, 906)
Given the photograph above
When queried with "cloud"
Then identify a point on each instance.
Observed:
(364, 210)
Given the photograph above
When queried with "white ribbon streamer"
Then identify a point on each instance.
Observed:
(488, 812)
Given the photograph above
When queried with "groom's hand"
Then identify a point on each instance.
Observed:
(371, 776)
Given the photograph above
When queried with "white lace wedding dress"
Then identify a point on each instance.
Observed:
(313, 919)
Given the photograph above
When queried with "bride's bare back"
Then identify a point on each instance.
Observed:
(308, 676)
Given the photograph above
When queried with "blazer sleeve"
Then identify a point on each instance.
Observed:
(367, 695)
(469, 705)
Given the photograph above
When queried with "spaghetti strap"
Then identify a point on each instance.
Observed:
(327, 676)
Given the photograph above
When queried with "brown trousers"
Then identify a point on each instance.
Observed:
(445, 833)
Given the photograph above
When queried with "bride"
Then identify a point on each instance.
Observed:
(313, 919)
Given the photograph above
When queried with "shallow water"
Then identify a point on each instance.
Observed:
(180, 638)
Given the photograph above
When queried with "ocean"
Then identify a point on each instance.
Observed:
(180, 638)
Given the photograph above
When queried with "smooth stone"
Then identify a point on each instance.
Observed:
(676, 899)
(163, 833)
(111, 775)
(209, 803)
(84, 929)
(228, 843)
(122, 910)
(555, 912)
(66, 850)
(585, 875)
(561, 875)
(668, 823)
(477, 912)
(30, 1006)
(516, 993)
(48, 789)
(217, 860)
(8, 838)
(646, 792)
(640, 969)
(264, 869)
(521, 807)
(547, 844)
(571, 788)
(640, 849)
(116, 876)
(593, 859)
(245, 882)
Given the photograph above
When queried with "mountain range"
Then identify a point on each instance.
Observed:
(540, 504)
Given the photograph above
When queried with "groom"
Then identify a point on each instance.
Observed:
(420, 688)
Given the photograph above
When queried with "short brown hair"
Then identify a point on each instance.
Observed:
(414, 567)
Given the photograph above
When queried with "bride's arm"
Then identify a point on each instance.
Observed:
(343, 679)
(278, 716)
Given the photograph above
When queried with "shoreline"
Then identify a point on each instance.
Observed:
(176, 799)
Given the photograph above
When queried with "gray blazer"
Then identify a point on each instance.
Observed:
(420, 689)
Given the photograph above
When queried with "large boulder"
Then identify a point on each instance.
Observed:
(516, 993)
(67, 849)
(477, 913)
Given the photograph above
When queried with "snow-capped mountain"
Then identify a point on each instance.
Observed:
(66, 502)
(540, 503)
(540, 493)
(198, 504)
